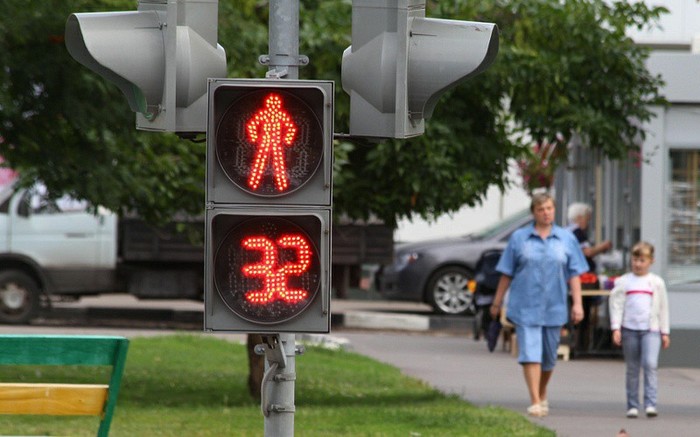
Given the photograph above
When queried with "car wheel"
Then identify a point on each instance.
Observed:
(448, 291)
(19, 297)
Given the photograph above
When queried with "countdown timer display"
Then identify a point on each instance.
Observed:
(267, 269)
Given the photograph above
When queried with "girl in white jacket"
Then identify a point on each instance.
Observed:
(639, 320)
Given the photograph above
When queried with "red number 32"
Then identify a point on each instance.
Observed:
(274, 275)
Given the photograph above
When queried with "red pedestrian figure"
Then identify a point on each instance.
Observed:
(270, 129)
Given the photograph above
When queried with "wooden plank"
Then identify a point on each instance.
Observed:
(53, 399)
(58, 350)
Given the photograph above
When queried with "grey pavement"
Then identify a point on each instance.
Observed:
(586, 395)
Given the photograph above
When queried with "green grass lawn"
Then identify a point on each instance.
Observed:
(193, 385)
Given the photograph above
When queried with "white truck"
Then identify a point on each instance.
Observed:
(63, 249)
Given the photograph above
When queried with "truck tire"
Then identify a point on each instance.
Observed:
(19, 297)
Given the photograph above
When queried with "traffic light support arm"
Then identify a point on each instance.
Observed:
(274, 352)
(277, 403)
(344, 136)
(283, 60)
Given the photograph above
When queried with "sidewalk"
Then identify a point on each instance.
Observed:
(587, 396)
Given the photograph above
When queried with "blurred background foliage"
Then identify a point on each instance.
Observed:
(563, 69)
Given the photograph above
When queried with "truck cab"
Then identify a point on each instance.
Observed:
(50, 246)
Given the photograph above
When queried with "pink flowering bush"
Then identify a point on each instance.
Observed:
(537, 168)
(7, 175)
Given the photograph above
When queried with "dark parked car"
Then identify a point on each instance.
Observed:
(441, 272)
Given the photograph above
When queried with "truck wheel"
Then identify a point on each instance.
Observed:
(19, 297)
(448, 291)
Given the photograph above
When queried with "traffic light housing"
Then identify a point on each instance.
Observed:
(400, 63)
(160, 56)
(268, 200)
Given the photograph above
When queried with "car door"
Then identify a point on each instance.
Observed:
(62, 233)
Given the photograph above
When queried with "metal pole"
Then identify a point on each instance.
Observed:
(278, 385)
(283, 61)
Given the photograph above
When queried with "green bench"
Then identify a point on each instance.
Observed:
(63, 399)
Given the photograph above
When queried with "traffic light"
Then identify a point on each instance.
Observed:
(268, 199)
(160, 56)
(400, 63)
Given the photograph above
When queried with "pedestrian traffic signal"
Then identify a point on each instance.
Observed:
(400, 63)
(269, 162)
(268, 271)
(160, 56)
(270, 140)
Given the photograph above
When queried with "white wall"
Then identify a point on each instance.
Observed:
(678, 27)
(495, 207)
(466, 220)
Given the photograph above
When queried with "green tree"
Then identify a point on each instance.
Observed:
(68, 127)
(568, 68)
(564, 68)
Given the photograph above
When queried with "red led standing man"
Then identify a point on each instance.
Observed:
(270, 129)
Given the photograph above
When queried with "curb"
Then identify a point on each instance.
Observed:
(351, 319)
(402, 322)
(374, 320)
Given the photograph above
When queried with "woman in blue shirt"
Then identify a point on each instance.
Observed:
(537, 264)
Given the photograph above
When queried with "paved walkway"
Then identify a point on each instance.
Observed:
(586, 395)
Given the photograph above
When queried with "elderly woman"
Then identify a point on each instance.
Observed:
(579, 219)
(537, 264)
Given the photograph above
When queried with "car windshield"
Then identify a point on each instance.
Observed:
(499, 227)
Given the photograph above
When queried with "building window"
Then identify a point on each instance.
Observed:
(684, 217)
